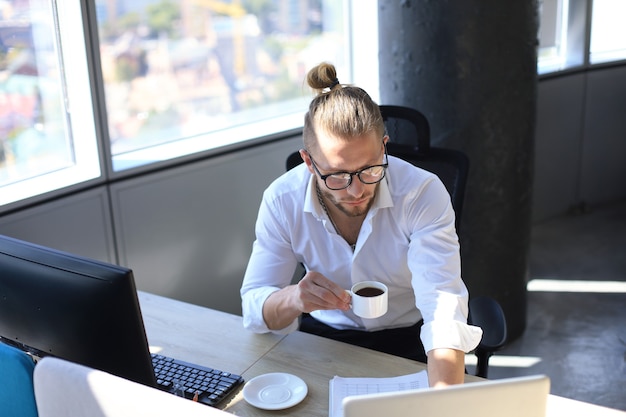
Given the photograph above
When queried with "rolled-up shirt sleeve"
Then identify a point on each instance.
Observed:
(252, 305)
(450, 334)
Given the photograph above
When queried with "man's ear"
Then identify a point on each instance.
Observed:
(307, 160)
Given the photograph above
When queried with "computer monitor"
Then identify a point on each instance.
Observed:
(54, 303)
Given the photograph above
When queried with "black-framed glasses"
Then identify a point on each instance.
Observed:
(339, 180)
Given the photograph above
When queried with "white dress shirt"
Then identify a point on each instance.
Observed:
(407, 241)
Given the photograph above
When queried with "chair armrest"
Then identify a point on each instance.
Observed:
(486, 313)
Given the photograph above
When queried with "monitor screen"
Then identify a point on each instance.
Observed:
(75, 308)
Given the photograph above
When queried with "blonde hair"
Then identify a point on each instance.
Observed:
(343, 111)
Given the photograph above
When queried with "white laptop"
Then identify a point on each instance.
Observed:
(511, 397)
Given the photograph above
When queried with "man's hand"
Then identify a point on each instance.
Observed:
(313, 292)
(316, 292)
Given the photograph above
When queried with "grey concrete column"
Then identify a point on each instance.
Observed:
(470, 67)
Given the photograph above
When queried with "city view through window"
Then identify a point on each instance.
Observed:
(177, 69)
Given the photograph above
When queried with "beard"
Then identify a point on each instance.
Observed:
(349, 210)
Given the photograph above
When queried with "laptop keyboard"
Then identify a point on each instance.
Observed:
(197, 383)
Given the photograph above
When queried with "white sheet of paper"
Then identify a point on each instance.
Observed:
(341, 387)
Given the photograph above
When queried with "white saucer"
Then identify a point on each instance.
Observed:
(274, 391)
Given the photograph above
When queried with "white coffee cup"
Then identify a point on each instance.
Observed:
(369, 299)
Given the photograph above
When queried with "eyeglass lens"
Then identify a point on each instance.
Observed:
(370, 175)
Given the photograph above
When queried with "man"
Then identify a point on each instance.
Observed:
(350, 213)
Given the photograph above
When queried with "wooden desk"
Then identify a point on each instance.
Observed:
(200, 335)
(317, 360)
(213, 338)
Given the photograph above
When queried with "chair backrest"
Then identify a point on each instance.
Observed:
(65, 389)
(409, 139)
(17, 397)
(293, 160)
(407, 126)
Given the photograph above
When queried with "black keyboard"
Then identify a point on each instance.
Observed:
(195, 382)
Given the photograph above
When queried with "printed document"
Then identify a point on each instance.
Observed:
(341, 387)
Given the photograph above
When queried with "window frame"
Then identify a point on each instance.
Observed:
(80, 120)
(575, 39)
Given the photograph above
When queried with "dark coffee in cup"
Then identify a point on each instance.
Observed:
(369, 299)
(369, 292)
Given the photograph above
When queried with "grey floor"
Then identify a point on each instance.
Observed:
(578, 339)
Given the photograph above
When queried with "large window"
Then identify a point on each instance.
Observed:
(576, 33)
(608, 31)
(552, 33)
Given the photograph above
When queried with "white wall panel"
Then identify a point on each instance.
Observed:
(187, 232)
(558, 141)
(580, 141)
(79, 224)
(603, 166)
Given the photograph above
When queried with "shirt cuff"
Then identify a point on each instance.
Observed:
(456, 335)
(252, 307)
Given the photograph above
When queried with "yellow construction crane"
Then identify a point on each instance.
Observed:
(237, 12)
(233, 9)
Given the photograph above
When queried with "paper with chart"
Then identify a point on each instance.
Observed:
(341, 387)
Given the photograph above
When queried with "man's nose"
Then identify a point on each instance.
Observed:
(356, 188)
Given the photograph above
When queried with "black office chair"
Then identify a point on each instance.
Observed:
(409, 133)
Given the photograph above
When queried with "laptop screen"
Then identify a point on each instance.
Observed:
(511, 397)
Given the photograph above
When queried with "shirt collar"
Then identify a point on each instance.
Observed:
(311, 203)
